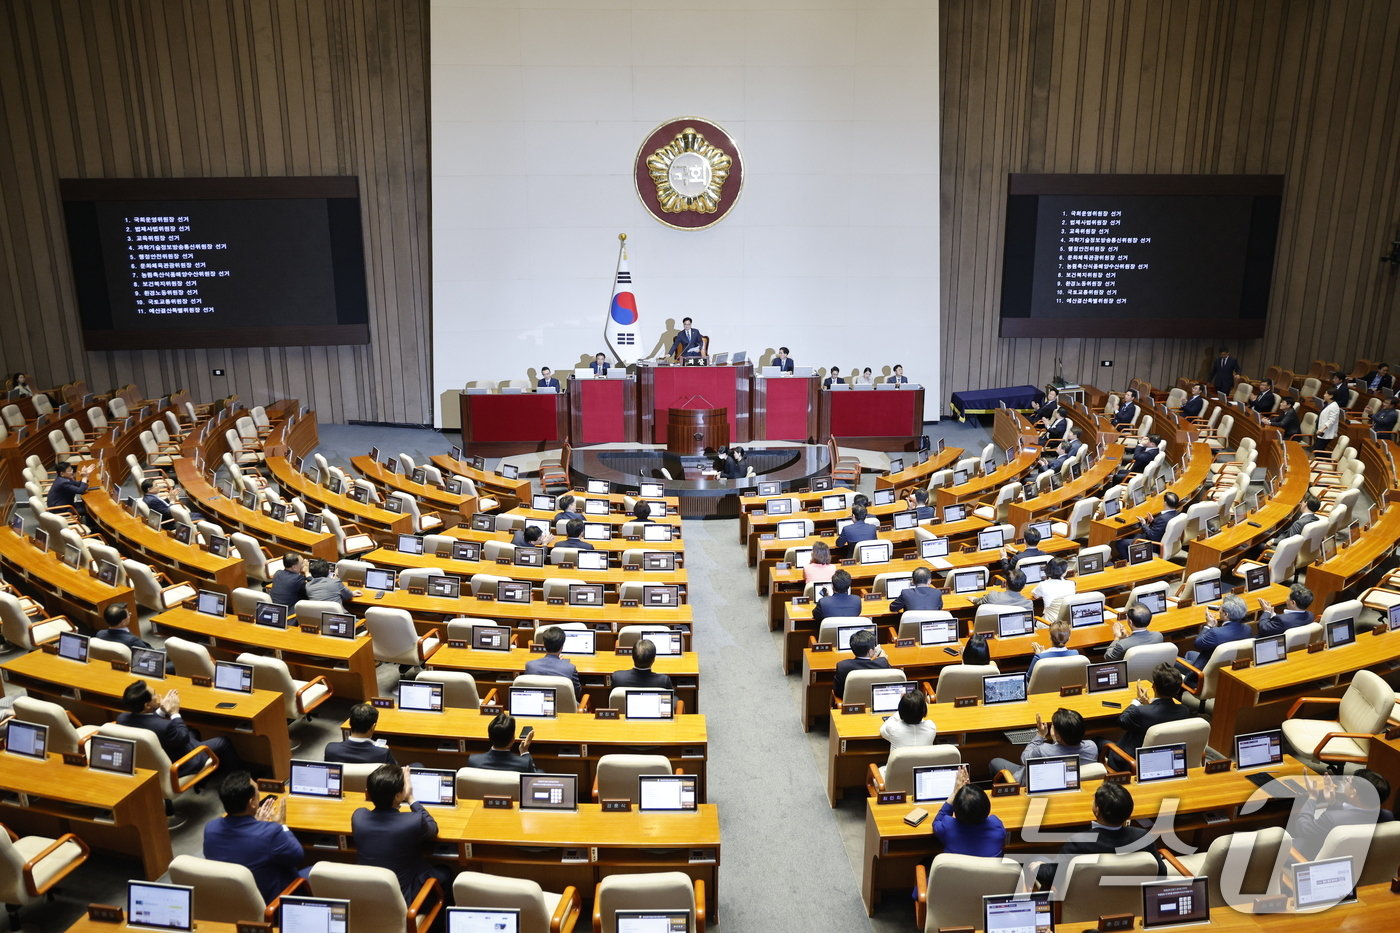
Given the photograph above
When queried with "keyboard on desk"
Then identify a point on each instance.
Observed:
(1020, 736)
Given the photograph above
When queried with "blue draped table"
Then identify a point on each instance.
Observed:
(986, 401)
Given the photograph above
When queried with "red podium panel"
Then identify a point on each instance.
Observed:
(876, 419)
(667, 387)
(785, 408)
(501, 425)
(603, 411)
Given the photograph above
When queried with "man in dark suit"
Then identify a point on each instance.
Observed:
(898, 379)
(1145, 712)
(841, 604)
(573, 536)
(115, 616)
(547, 380)
(1071, 445)
(1144, 453)
(689, 342)
(919, 595)
(640, 675)
(289, 583)
(255, 836)
(501, 733)
(161, 715)
(66, 491)
(1223, 372)
(360, 747)
(868, 657)
(1048, 407)
(1333, 801)
(386, 837)
(1111, 831)
(566, 510)
(1341, 390)
(1286, 419)
(1264, 399)
(1220, 628)
(154, 502)
(1305, 518)
(1056, 427)
(1032, 549)
(783, 361)
(1127, 412)
(833, 378)
(917, 500)
(858, 530)
(1140, 617)
(599, 365)
(1155, 529)
(552, 665)
(1195, 403)
(1384, 419)
(1295, 612)
(1379, 378)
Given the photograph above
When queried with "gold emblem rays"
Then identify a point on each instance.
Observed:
(689, 140)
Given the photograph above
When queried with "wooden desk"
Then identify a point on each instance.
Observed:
(617, 519)
(347, 664)
(508, 493)
(985, 487)
(466, 569)
(112, 813)
(1059, 502)
(1188, 482)
(1221, 549)
(1351, 564)
(255, 723)
(381, 523)
(453, 509)
(430, 611)
(614, 546)
(918, 475)
(186, 562)
(764, 551)
(59, 588)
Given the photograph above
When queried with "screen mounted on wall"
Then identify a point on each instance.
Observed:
(217, 262)
(1138, 255)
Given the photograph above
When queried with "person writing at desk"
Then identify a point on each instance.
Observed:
(547, 380)
(833, 378)
(599, 365)
(386, 837)
(689, 343)
(783, 361)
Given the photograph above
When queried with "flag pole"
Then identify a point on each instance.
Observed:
(621, 255)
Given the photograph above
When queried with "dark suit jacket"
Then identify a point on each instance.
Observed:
(65, 491)
(599, 369)
(156, 504)
(550, 383)
(577, 543)
(1386, 381)
(1099, 840)
(856, 664)
(784, 365)
(830, 381)
(394, 840)
(855, 532)
(1067, 452)
(1343, 394)
(497, 760)
(689, 343)
(1015, 559)
(637, 679)
(569, 516)
(1142, 456)
(1057, 428)
(1217, 635)
(1158, 526)
(1284, 621)
(176, 738)
(121, 636)
(917, 598)
(1136, 720)
(897, 380)
(1222, 373)
(1193, 406)
(1287, 422)
(269, 850)
(359, 753)
(1046, 410)
(287, 588)
(1384, 420)
(551, 665)
(1125, 413)
(924, 511)
(836, 606)
(1264, 403)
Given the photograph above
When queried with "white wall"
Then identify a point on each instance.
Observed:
(538, 108)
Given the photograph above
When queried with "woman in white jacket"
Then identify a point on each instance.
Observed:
(1328, 422)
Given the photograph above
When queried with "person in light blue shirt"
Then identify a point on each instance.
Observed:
(965, 824)
(1061, 737)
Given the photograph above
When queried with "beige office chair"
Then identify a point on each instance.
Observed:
(912, 620)
(395, 639)
(667, 890)
(190, 658)
(629, 635)
(475, 783)
(962, 680)
(224, 892)
(1194, 731)
(28, 633)
(1086, 894)
(104, 649)
(299, 697)
(376, 902)
(1361, 714)
(960, 882)
(244, 601)
(31, 866)
(858, 684)
(1142, 660)
(458, 688)
(1376, 848)
(154, 590)
(151, 757)
(354, 777)
(66, 734)
(617, 775)
(540, 911)
(1201, 698)
(1260, 851)
(564, 699)
(898, 772)
(1051, 674)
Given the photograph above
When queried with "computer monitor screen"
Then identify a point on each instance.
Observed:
(649, 704)
(597, 531)
(312, 523)
(651, 490)
(1003, 688)
(513, 591)
(934, 782)
(1033, 570)
(883, 497)
(821, 483)
(1270, 649)
(660, 595)
(548, 792)
(663, 560)
(528, 557)
(249, 499)
(667, 792)
(148, 662)
(896, 465)
(315, 779)
(391, 464)
(579, 641)
(960, 477)
(896, 584)
(954, 513)
(668, 644)
(1015, 624)
(534, 702)
(1155, 601)
(592, 560)
(483, 521)
(652, 921)
(279, 511)
(989, 539)
(314, 915)
(1340, 632)
(1052, 775)
(878, 552)
(410, 544)
(1112, 507)
(1161, 762)
(510, 471)
(107, 572)
(1139, 552)
(1090, 613)
(420, 696)
(970, 580)
(1109, 675)
(542, 502)
(1042, 528)
(904, 520)
(210, 603)
(655, 532)
(1017, 913)
(1090, 563)
(585, 594)
(1256, 578)
(73, 646)
(1324, 882)
(483, 920)
(444, 587)
(1259, 749)
(833, 503)
(108, 753)
(884, 698)
(466, 550)
(41, 538)
(273, 615)
(938, 632)
(599, 487)
(490, 638)
(230, 675)
(160, 906)
(1175, 903)
(595, 507)
(338, 624)
(182, 532)
(792, 530)
(1205, 591)
(844, 633)
(359, 494)
(432, 787)
(29, 739)
(929, 548)
(1392, 617)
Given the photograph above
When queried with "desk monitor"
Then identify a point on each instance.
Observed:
(1003, 688)
(904, 520)
(1139, 552)
(148, 662)
(313, 524)
(651, 490)
(73, 646)
(1259, 749)
(1018, 913)
(930, 548)
(314, 915)
(1052, 775)
(589, 595)
(182, 532)
(1033, 570)
(579, 640)
(595, 507)
(483, 920)
(1392, 617)
(273, 615)
(1089, 563)
(543, 502)
(108, 753)
(668, 644)
(833, 503)
(668, 793)
(883, 497)
(990, 539)
(315, 779)
(938, 632)
(1323, 883)
(154, 906)
(794, 530)
(337, 485)
(897, 583)
(880, 552)
(934, 783)
(420, 696)
(232, 676)
(218, 545)
(543, 524)
(410, 544)
(1340, 632)
(844, 633)
(654, 532)
(884, 698)
(359, 494)
(1015, 624)
(1161, 762)
(279, 511)
(597, 531)
(1175, 903)
(822, 483)
(107, 572)
(1042, 528)
(1107, 675)
(513, 591)
(534, 702)
(1155, 601)
(1256, 578)
(960, 477)
(490, 638)
(433, 788)
(599, 487)
(249, 499)
(29, 739)
(1205, 591)
(483, 521)
(970, 580)
(478, 463)
(509, 471)
(1082, 614)
(1112, 507)
(1137, 496)
(529, 557)
(651, 921)
(665, 560)
(942, 443)
(378, 579)
(549, 792)
(592, 560)
(1270, 649)
(1076, 469)
(444, 587)
(954, 513)
(896, 466)
(661, 595)
(768, 489)
(649, 704)
(391, 464)
(211, 603)
(338, 624)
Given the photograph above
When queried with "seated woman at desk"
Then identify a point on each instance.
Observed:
(910, 725)
(17, 386)
(820, 568)
(965, 824)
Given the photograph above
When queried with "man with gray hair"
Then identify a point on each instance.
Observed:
(1140, 617)
(1220, 628)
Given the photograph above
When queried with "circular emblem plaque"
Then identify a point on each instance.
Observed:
(688, 173)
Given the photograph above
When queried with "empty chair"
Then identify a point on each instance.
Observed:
(497, 550)
(376, 901)
(460, 629)
(395, 639)
(238, 450)
(629, 635)
(151, 757)
(422, 521)
(898, 772)
(1142, 660)
(668, 890)
(617, 775)
(984, 621)
(154, 590)
(261, 566)
(486, 583)
(244, 601)
(959, 883)
(458, 687)
(1259, 878)
(858, 684)
(33, 866)
(352, 572)
(1087, 895)
(23, 632)
(564, 699)
(1375, 848)
(223, 891)
(299, 697)
(190, 658)
(1361, 713)
(66, 734)
(912, 620)
(1201, 697)
(311, 610)
(416, 578)
(104, 649)
(475, 783)
(540, 911)
(962, 680)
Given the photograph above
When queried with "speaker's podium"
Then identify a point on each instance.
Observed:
(689, 430)
(724, 387)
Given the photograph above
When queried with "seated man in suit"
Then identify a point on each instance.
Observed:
(640, 676)
(386, 837)
(599, 364)
(858, 530)
(154, 502)
(1111, 831)
(1061, 737)
(547, 380)
(1055, 427)
(1384, 419)
(566, 511)
(1195, 403)
(1070, 446)
(919, 595)
(532, 536)
(1306, 516)
(254, 835)
(1286, 418)
(573, 536)
(1263, 398)
(868, 657)
(783, 361)
(360, 747)
(1144, 453)
(1145, 712)
(898, 379)
(689, 343)
(1010, 596)
(1379, 378)
(833, 378)
(1048, 407)
(325, 585)
(841, 604)
(501, 733)
(1223, 372)
(1220, 628)
(1155, 529)
(1060, 632)
(1295, 612)
(161, 715)
(115, 617)
(918, 501)
(66, 490)
(1127, 412)
(1139, 617)
(289, 583)
(1339, 800)
(1032, 549)
(552, 664)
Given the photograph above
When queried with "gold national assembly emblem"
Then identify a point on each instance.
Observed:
(688, 173)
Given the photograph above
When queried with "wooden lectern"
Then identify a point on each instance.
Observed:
(690, 430)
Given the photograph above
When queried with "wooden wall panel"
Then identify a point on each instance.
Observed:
(1306, 88)
(150, 88)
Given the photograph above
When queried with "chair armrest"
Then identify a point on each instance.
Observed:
(583, 703)
(490, 698)
(1166, 856)
(699, 906)
(566, 912)
(1196, 690)
(1117, 750)
(920, 895)
(1360, 759)
(318, 679)
(209, 768)
(297, 884)
(874, 784)
(29, 884)
(430, 893)
(64, 619)
(1003, 777)
(1301, 701)
(176, 586)
(418, 646)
